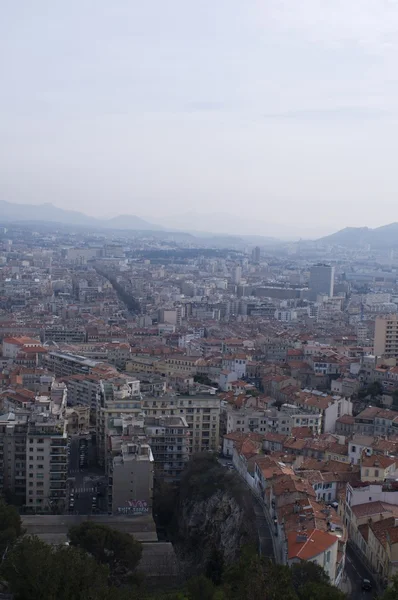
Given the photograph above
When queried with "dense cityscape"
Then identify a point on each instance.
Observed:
(128, 358)
(199, 300)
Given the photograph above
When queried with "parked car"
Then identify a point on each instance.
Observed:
(366, 585)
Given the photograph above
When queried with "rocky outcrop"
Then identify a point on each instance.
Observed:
(215, 518)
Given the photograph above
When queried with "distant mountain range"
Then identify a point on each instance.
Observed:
(47, 212)
(356, 237)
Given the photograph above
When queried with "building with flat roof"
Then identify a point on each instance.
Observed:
(131, 478)
(202, 413)
(169, 440)
(321, 281)
(386, 336)
(64, 364)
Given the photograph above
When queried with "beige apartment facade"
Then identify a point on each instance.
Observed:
(202, 414)
(169, 440)
(386, 336)
(46, 463)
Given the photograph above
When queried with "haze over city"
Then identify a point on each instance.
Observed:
(276, 118)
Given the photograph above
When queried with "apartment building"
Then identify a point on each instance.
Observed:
(321, 281)
(145, 364)
(319, 547)
(14, 345)
(370, 512)
(377, 468)
(374, 420)
(46, 463)
(131, 477)
(382, 548)
(64, 335)
(118, 354)
(13, 430)
(150, 384)
(182, 364)
(78, 418)
(64, 364)
(271, 420)
(33, 459)
(83, 390)
(202, 413)
(330, 407)
(386, 336)
(115, 400)
(169, 441)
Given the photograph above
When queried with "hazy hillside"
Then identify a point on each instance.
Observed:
(380, 237)
(49, 213)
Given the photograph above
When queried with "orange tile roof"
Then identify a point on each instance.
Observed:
(374, 508)
(386, 531)
(317, 542)
(377, 460)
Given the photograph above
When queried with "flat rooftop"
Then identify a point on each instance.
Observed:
(53, 529)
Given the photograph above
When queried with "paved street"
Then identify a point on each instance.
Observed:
(264, 535)
(84, 480)
(355, 572)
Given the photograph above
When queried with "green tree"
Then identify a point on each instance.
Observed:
(36, 571)
(314, 590)
(215, 566)
(391, 592)
(278, 582)
(10, 526)
(200, 588)
(119, 550)
(246, 580)
(306, 571)
(375, 389)
(203, 379)
(165, 499)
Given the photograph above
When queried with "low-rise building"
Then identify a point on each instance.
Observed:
(319, 547)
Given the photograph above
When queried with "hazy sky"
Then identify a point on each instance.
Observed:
(271, 111)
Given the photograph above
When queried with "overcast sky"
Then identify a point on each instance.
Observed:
(270, 115)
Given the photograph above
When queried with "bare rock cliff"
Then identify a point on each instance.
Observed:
(215, 516)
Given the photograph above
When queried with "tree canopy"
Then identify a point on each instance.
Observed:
(36, 571)
(116, 549)
(99, 561)
(10, 526)
(391, 592)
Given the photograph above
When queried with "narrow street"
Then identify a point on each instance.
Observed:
(354, 572)
(84, 481)
(264, 534)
